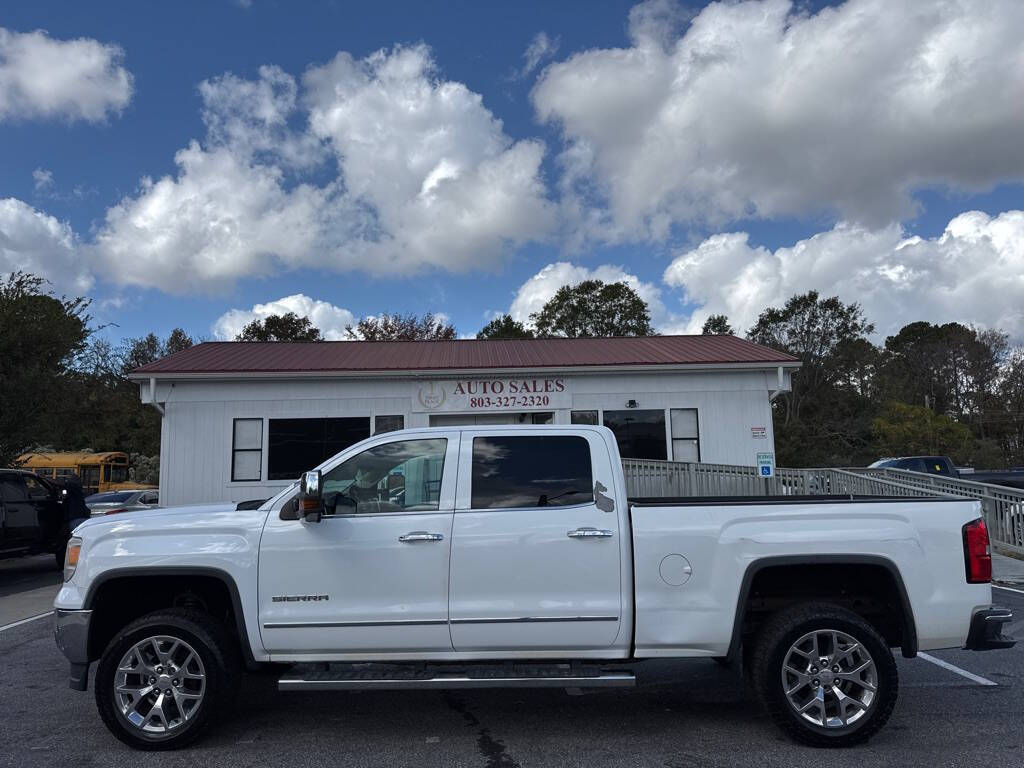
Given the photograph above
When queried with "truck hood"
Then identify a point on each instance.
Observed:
(163, 517)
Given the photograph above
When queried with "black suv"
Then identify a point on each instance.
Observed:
(33, 516)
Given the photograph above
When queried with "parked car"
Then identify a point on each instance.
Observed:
(514, 558)
(943, 465)
(34, 518)
(121, 501)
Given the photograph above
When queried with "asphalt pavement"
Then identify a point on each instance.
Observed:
(27, 587)
(689, 713)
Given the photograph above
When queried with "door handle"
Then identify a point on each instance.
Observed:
(421, 536)
(590, 533)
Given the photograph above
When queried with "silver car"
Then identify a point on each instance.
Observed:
(122, 501)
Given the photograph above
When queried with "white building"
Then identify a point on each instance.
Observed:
(243, 419)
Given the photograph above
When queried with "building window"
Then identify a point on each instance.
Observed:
(297, 445)
(531, 471)
(537, 417)
(584, 417)
(247, 450)
(383, 424)
(639, 433)
(685, 435)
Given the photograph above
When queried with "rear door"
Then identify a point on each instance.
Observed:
(21, 520)
(535, 563)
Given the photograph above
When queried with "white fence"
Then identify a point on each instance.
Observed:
(1003, 507)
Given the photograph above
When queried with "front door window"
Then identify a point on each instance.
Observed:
(403, 476)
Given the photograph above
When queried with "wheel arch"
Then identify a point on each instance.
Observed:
(123, 575)
(763, 566)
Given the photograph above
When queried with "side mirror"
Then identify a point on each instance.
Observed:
(311, 499)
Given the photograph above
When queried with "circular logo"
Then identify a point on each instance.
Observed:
(431, 396)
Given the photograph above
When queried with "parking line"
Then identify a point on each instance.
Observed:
(25, 621)
(1008, 589)
(953, 668)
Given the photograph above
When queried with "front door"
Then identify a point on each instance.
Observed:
(535, 561)
(371, 578)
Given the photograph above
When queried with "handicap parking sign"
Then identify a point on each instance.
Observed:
(766, 464)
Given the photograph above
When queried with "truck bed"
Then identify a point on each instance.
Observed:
(704, 501)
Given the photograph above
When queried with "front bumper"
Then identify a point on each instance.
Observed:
(987, 630)
(71, 631)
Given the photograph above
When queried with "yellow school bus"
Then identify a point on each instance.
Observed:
(107, 471)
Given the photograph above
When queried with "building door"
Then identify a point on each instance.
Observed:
(371, 578)
(535, 562)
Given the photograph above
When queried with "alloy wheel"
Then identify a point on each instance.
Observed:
(159, 684)
(829, 678)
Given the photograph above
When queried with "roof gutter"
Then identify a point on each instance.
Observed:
(447, 373)
(152, 396)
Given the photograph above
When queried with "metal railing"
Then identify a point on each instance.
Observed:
(1003, 507)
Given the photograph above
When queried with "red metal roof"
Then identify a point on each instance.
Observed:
(240, 357)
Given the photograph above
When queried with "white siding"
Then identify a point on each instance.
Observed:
(195, 461)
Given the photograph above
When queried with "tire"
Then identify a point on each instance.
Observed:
(790, 638)
(197, 662)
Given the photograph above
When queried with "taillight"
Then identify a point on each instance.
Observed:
(977, 556)
(116, 511)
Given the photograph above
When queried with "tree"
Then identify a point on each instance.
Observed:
(505, 327)
(397, 327)
(717, 325)
(286, 327)
(913, 430)
(593, 309)
(1010, 412)
(826, 418)
(951, 368)
(177, 341)
(40, 338)
(141, 351)
(109, 413)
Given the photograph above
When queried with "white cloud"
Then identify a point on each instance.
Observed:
(40, 77)
(541, 49)
(251, 117)
(442, 183)
(221, 217)
(541, 288)
(972, 273)
(43, 179)
(428, 178)
(331, 320)
(763, 109)
(35, 242)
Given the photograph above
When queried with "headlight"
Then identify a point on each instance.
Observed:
(74, 550)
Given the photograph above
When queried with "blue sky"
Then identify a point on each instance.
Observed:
(720, 187)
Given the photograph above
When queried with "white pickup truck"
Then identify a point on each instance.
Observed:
(511, 556)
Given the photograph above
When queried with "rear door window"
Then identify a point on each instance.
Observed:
(12, 489)
(531, 471)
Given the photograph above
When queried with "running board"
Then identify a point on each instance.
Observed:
(370, 677)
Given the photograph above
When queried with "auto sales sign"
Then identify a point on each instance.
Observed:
(495, 395)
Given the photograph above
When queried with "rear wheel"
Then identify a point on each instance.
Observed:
(165, 678)
(824, 674)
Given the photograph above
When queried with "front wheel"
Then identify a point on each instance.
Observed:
(825, 675)
(164, 678)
